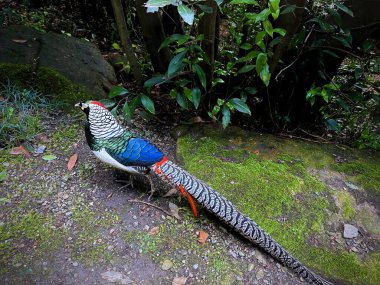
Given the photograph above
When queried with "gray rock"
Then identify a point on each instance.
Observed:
(78, 60)
(351, 186)
(116, 277)
(195, 266)
(350, 231)
(41, 149)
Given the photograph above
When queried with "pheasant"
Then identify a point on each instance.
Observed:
(116, 146)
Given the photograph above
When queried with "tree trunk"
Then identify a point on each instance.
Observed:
(208, 27)
(290, 22)
(126, 40)
(153, 33)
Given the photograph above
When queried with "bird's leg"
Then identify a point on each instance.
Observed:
(126, 182)
(152, 189)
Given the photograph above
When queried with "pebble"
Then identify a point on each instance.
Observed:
(75, 264)
(232, 253)
(135, 224)
(350, 231)
(260, 274)
(166, 264)
(195, 266)
(134, 217)
(250, 267)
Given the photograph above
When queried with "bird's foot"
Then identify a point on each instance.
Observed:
(126, 183)
(152, 189)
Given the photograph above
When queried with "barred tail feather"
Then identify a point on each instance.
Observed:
(227, 212)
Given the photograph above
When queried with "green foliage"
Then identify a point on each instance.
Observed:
(19, 113)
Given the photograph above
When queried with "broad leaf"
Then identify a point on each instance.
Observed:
(265, 74)
(240, 105)
(49, 157)
(181, 99)
(147, 103)
(173, 38)
(219, 2)
(251, 55)
(158, 4)
(186, 13)
(127, 112)
(176, 63)
(205, 8)
(153, 81)
(274, 8)
(107, 103)
(226, 116)
(196, 96)
(201, 75)
(261, 61)
(246, 68)
(114, 111)
(333, 125)
(253, 2)
(117, 91)
(282, 32)
(344, 8)
(250, 90)
(268, 27)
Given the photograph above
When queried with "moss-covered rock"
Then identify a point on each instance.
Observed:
(48, 81)
(268, 179)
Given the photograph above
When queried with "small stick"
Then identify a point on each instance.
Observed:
(154, 206)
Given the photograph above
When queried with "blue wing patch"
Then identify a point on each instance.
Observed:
(139, 152)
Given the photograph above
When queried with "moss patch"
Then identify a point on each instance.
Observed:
(46, 80)
(270, 183)
(345, 202)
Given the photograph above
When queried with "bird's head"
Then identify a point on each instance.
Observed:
(89, 105)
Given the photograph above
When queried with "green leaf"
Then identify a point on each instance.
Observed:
(265, 74)
(114, 111)
(240, 105)
(181, 99)
(333, 125)
(153, 81)
(251, 55)
(219, 2)
(205, 8)
(159, 3)
(246, 46)
(49, 157)
(344, 8)
(176, 63)
(259, 39)
(261, 60)
(250, 90)
(268, 27)
(196, 96)
(127, 112)
(108, 103)
(186, 13)
(173, 38)
(116, 46)
(246, 68)
(3, 175)
(282, 32)
(147, 103)
(343, 41)
(201, 75)
(117, 91)
(226, 116)
(274, 8)
(252, 2)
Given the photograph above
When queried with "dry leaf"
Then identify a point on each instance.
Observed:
(202, 237)
(153, 231)
(20, 150)
(72, 161)
(171, 192)
(257, 152)
(20, 41)
(179, 281)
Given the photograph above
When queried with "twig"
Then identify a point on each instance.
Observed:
(154, 206)
(315, 136)
(338, 49)
(299, 54)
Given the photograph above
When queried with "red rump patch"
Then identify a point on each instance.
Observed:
(98, 103)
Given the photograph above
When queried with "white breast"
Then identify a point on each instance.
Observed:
(105, 157)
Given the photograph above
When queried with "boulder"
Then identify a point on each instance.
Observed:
(78, 60)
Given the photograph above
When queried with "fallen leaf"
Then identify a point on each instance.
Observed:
(171, 192)
(4, 175)
(166, 264)
(72, 161)
(179, 281)
(202, 237)
(20, 150)
(257, 152)
(20, 41)
(49, 157)
(153, 231)
(174, 210)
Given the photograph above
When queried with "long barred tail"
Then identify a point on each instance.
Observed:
(226, 211)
